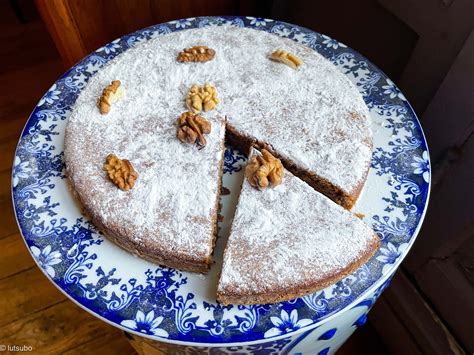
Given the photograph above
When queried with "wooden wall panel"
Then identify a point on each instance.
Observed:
(449, 118)
(81, 26)
(103, 20)
(58, 18)
(442, 27)
(441, 259)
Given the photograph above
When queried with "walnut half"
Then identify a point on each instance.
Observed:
(110, 94)
(286, 58)
(191, 129)
(121, 172)
(262, 169)
(202, 98)
(196, 54)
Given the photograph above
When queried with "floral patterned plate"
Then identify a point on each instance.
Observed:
(166, 304)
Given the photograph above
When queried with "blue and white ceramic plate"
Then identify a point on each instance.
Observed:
(180, 307)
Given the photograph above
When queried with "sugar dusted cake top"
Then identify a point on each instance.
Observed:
(314, 116)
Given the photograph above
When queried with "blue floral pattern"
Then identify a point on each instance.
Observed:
(21, 170)
(160, 302)
(389, 254)
(47, 258)
(182, 23)
(146, 324)
(258, 21)
(232, 157)
(286, 323)
(391, 90)
(332, 43)
(422, 166)
(50, 96)
(111, 47)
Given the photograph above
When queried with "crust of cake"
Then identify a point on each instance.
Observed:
(335, 193)
(230, 296)
(151, 251)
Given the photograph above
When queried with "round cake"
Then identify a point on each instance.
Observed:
(312, 118)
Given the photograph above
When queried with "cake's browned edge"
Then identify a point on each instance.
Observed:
(335, 193)
(157, 256)
(227, 297)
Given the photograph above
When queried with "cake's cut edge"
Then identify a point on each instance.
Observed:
(217, 206)
(346, 199)
(227, 297)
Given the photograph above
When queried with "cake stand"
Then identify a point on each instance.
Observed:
(174, 311)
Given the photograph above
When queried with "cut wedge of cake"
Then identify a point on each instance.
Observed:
(289, 241)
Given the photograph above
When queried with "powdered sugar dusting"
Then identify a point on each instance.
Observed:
(287, 237)
(304, 114)
(173, 201)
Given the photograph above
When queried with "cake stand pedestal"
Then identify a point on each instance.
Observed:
(324, 339)
(169, 311)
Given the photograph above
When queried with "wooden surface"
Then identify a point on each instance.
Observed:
(409, 324)
(32, 311)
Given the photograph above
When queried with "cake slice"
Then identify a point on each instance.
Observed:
(289, 241)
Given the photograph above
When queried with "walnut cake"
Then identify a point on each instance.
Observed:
(158, 198)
